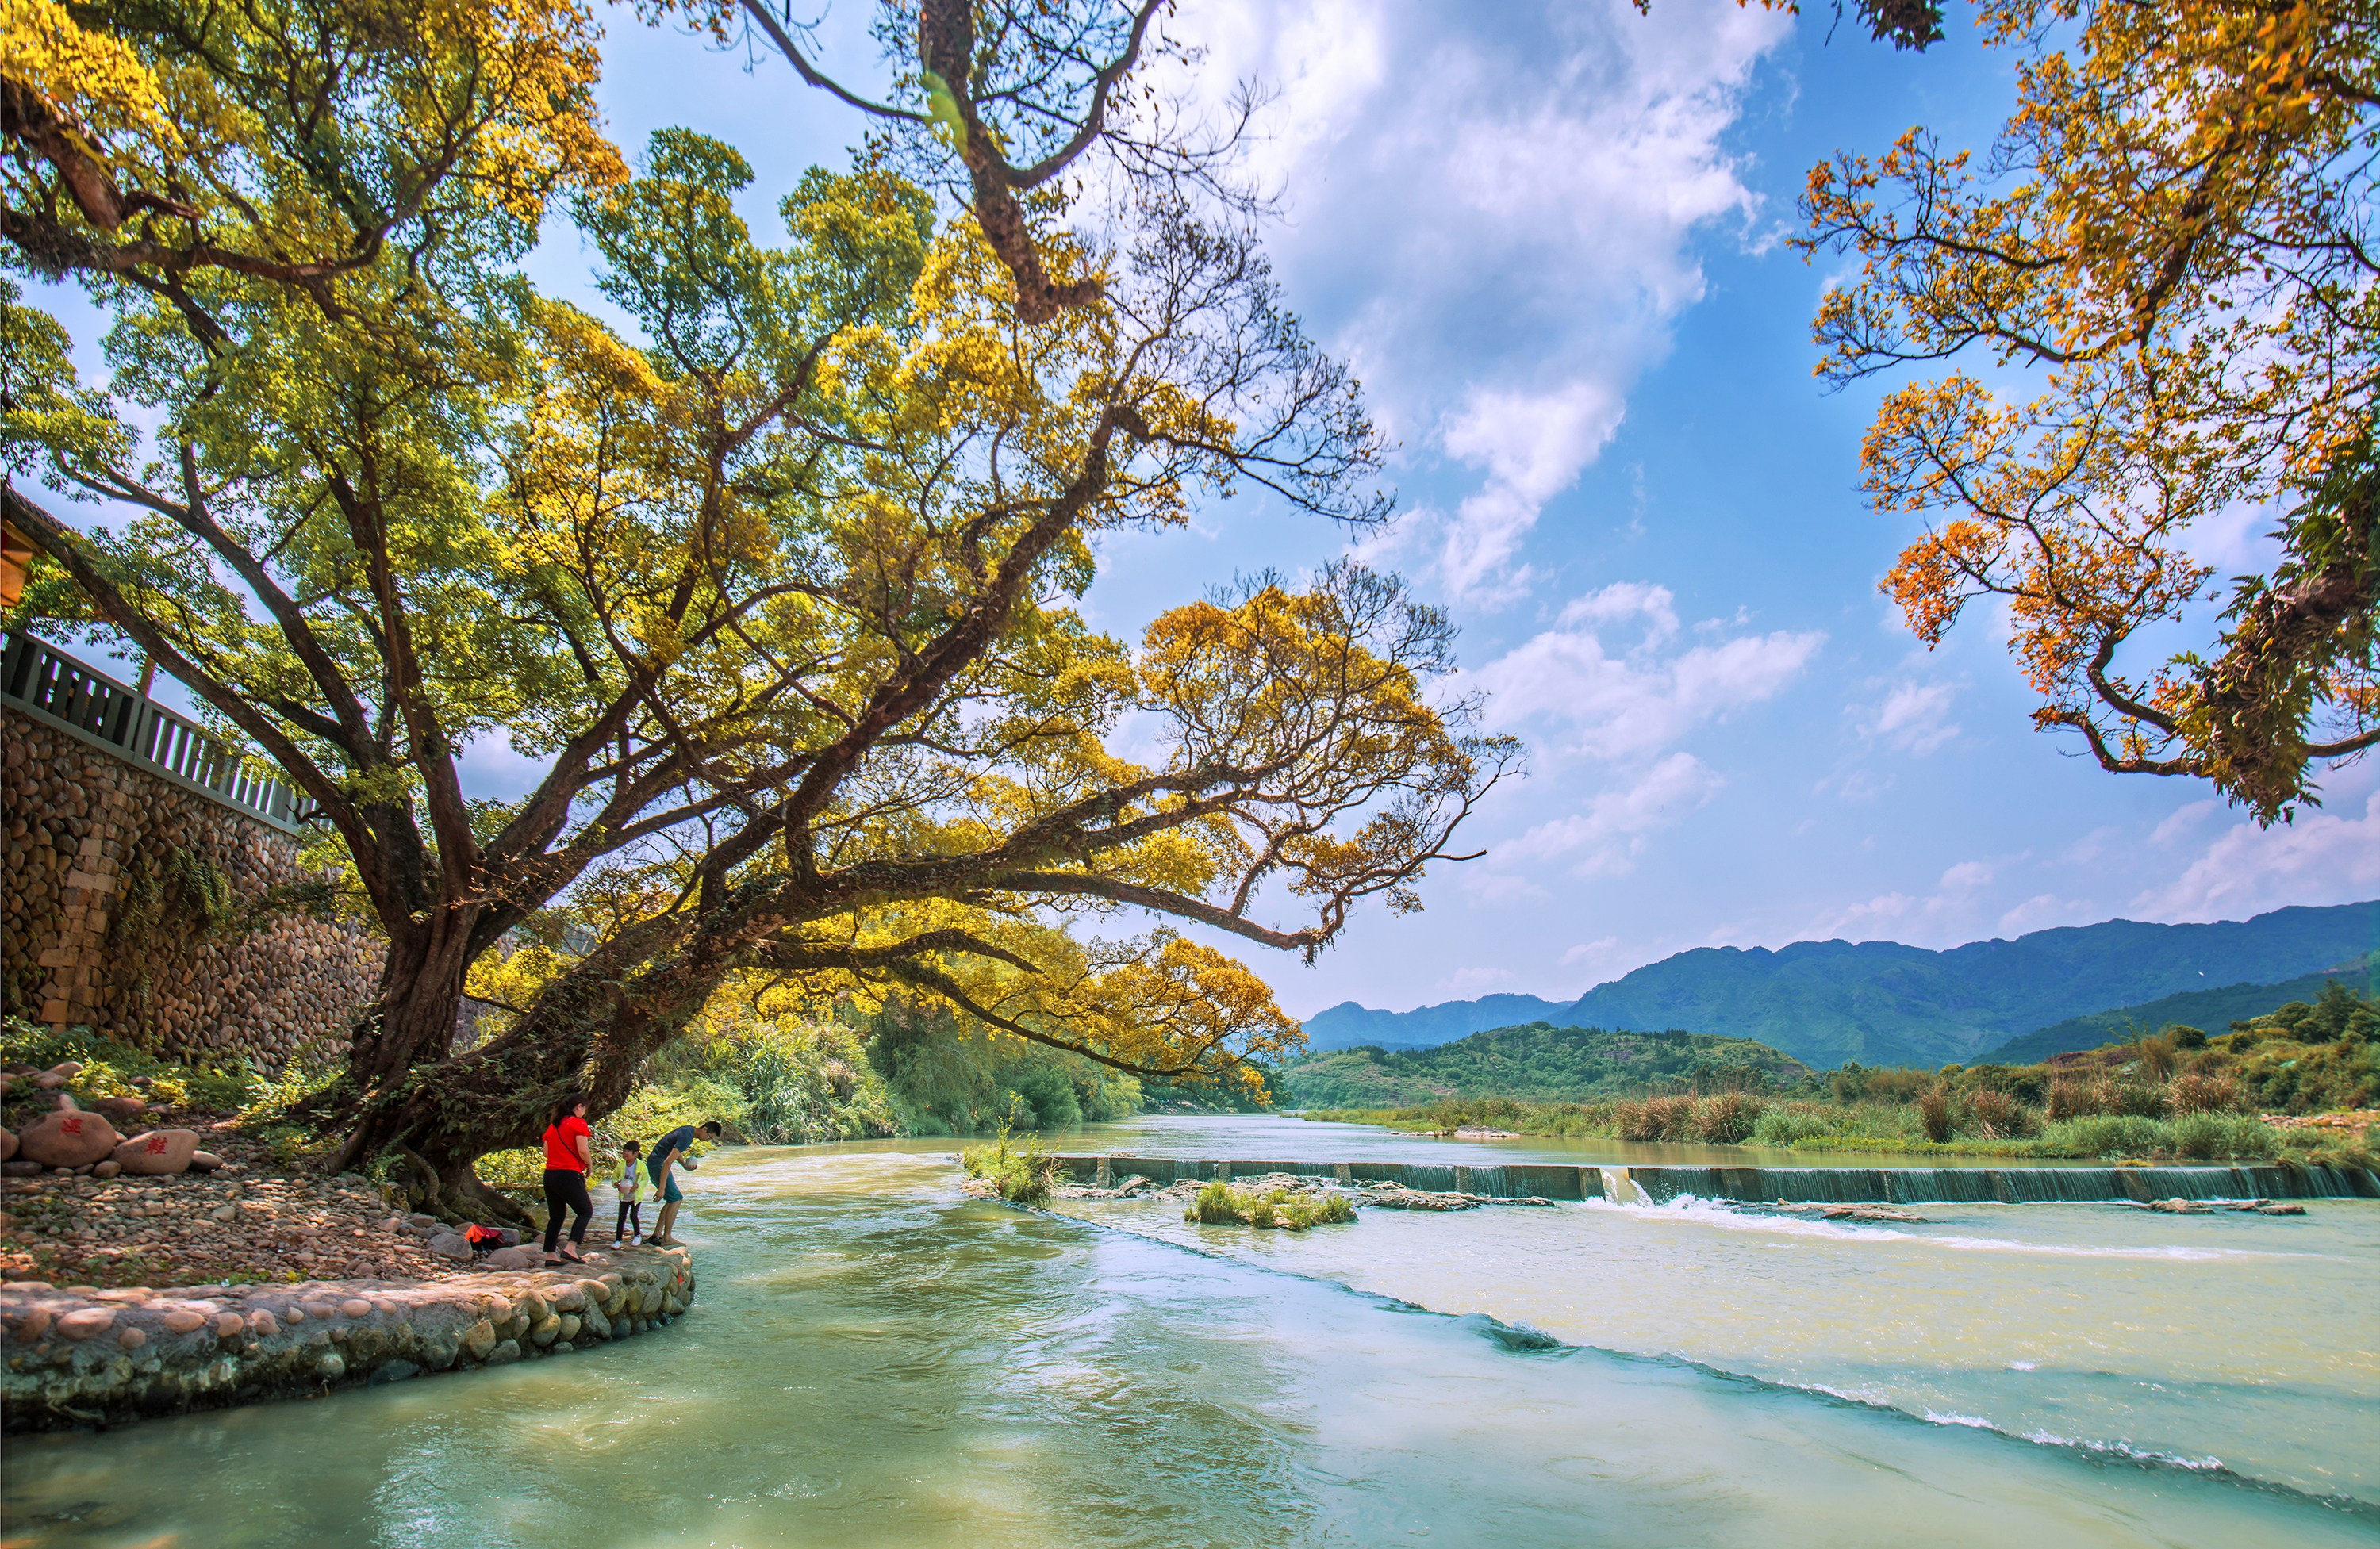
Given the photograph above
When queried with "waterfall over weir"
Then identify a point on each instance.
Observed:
(1798, 1185)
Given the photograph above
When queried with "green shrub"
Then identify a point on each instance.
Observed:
(1220, 1204)
(1994, 1115)
(2204, 1135)
(2194, 1091)
(1784, 1127)
(1726, 1119)
(2106, 1134)
(1021, 1174)
(1934, 1112)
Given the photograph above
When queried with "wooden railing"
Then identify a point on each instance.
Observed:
(50, 686)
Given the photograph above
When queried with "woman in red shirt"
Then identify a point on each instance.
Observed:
(569, 1152)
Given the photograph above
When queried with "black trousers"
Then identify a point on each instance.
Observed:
(565, 1186)
(632, 1213)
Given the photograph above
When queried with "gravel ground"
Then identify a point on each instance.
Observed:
(255, 1219)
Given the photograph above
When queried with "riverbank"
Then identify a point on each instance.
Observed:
(82, 1355)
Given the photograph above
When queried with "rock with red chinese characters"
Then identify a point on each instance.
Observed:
(66, 1138)
(158, 1153)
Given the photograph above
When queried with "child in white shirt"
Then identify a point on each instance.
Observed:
(630, 1187)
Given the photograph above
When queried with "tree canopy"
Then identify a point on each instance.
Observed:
(2162, 293)
(775, 585)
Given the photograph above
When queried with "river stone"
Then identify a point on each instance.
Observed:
(509, 1350)
(529, 1304)
(596, 1323)
(450, 1245)
(205, 1161)
(571, 1324)
(546, 1330)
(330, 1366)
(158, 1153)
(7, 1145)
(181, 1320)
(120, 1109)
(108, 1168)
(33, 1324)
(479, 1338)
(85, 1322)
(68, 1139)
(515, 1258)
(263, 1323)
(395, 1369)
(355, 1307)
(229, 1326)
(132, 1338)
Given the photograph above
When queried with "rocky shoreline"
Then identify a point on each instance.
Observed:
(83, 1356)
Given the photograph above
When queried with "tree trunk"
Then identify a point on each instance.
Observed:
(411, 1021)
(589, 1031)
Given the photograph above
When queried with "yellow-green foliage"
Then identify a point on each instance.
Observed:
(1220, 1204)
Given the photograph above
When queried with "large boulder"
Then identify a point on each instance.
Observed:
(68, 1138)
(7, 1145)
(159, 1153)
(120, 1110)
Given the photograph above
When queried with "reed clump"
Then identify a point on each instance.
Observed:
(1021, 1174)
(1220, 1204)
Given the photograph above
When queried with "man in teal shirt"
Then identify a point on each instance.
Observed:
(662, 1161)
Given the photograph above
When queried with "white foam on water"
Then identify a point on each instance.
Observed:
(1693, 1210)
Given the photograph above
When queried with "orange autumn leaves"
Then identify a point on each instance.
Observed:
(2162, 298)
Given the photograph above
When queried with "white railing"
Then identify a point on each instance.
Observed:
(46, 683)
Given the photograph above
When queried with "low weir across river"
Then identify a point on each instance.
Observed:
(1797, 1185)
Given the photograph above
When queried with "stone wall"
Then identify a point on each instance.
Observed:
(78, 820)
(79, 1357)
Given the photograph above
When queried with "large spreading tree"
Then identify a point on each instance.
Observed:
(775, 584)
(2162, 290)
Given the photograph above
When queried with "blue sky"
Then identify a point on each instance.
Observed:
(1550, 235)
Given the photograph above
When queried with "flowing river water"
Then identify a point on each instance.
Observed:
(879, 1360)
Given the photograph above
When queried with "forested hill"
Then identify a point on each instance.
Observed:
(1882, 1003)
(2209, 1010)
(1537, 1062)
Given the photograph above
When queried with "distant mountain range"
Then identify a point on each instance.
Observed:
(1882, 1003)
(1535, 1063)
(2209, 1010)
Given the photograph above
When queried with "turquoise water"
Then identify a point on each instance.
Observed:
(878, 1360)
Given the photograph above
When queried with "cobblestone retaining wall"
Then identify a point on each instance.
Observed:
(77, 817)
(84, 1357)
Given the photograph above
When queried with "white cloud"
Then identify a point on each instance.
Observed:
(1965, 876)
(1532, 447)
(1475, 981)
(1915, 717)
(2181, 819)
(1612, 832)
(1490, 212)
(2041, 911)
(2321, 858)
(1879, 913)
(1641, 698)
(1625, 600)
(1591, 952)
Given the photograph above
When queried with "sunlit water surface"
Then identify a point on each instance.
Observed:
(877, 1359)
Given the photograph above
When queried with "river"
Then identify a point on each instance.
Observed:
(878, 1360)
